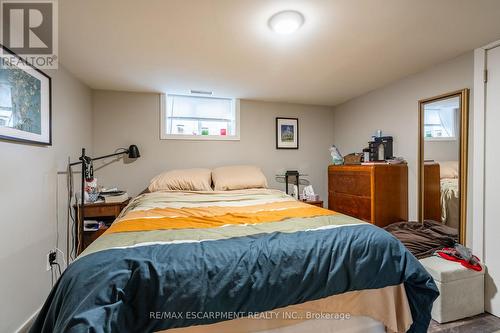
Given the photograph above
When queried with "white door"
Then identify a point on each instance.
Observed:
(492, 183)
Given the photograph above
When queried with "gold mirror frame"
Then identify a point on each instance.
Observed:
(464, 137)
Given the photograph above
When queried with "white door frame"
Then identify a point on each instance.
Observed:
(480, 66)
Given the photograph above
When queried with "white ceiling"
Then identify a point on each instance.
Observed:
(344, 49)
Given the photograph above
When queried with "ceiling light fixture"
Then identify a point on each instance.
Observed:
(286, 22)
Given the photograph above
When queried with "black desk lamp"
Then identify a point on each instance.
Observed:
(86, 162)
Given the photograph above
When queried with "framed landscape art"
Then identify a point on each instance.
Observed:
(25, 101)
(287, 133)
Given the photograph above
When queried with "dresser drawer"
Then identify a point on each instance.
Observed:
(359, 207)
(354, 183)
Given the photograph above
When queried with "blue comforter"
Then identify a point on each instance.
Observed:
(141, 288)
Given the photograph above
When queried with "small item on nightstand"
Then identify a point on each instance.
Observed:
(91, 191)
(308, 194)
(291, 176)
(93, 196)
(113, 195)
(90, 225)
(118, 197)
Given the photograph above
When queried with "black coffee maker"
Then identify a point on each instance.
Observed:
(380, 148)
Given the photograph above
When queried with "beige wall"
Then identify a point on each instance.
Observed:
(30, 193)
(122, 118)
(442, 150)
(394, 109)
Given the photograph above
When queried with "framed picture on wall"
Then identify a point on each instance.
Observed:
(287, 133)
(25, 101)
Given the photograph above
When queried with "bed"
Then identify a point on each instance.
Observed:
(252, 260)
(441, 192)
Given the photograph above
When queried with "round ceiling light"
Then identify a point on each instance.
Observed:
(286, 22)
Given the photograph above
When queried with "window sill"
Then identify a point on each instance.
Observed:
(440, 139)
(200, 137)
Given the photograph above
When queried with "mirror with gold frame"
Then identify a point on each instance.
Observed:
(442, 171)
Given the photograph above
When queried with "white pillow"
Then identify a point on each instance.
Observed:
(182, 180)
(238, 177)
(448, 169)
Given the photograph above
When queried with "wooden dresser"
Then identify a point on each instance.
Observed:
(432, 191)
(374, 193)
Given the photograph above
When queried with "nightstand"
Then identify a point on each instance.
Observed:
(105, 212)
(318, 203)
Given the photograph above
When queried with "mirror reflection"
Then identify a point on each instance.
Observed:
(441, 156)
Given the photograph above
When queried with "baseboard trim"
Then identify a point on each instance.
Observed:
(25, 327)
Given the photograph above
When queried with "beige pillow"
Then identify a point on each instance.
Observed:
(182, 180)
(238, 178)
(448, 169)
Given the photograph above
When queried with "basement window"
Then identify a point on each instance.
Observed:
(199, 118)
(440, 124)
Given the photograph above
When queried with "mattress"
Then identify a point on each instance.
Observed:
(182, 260)
(355, 324)
(358, 324)
(389, 305)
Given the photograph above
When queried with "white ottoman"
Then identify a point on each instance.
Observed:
(461, 289)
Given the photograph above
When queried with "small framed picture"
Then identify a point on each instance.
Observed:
(287, 133)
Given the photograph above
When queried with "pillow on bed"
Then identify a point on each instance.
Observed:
(182, 180)
(448, 169)
(238, 178)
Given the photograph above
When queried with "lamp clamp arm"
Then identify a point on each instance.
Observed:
(89, 159)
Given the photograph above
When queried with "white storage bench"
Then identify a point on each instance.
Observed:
(461, 289)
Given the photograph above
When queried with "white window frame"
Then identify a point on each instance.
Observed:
(163, 124)
(445, 138)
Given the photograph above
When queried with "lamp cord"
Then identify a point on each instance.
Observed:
(70, 218)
